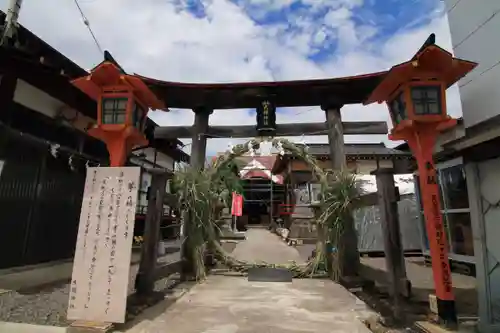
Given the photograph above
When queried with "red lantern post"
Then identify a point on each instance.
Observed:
(415, 94)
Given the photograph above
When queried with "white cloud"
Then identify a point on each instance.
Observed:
(338, 17)
(161, 39)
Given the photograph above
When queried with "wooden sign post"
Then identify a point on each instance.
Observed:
(101, 269)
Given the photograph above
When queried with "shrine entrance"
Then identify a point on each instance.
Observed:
(330, 94)
(263, 191)
(415, 93)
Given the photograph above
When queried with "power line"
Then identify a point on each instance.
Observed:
(453, 7)
(213, 136)
(477, 29)
(480, 74)
(303, 111)
(87, 24)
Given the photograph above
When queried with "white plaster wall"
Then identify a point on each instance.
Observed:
(37, 100)
(448, 136)
(488, 173)
(474, 31)
(162, 160)
(145, 183)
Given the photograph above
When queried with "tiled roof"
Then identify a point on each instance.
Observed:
(356, 149)
(263, 171)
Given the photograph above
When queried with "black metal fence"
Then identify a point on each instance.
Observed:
(40, 202)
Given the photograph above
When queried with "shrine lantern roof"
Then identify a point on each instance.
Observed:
(431, 62)
(108, 75)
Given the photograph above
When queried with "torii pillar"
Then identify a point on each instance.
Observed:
(199, 132)
(415, 94)
(348, 242)
(198, 157)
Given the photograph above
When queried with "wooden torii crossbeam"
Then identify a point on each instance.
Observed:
(247, 131)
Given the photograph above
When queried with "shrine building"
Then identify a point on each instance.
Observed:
(44, 152)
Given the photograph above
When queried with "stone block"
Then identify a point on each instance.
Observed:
(89, 327)
(302, 228)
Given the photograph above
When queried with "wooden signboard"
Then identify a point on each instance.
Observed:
(101, 266)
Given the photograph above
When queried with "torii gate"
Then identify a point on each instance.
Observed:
(414, 91)
(330, 94)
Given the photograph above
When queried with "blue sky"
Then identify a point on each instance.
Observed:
(246, 40)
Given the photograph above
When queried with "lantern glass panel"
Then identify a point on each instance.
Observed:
(426, 100)
(398, 108)
(392, 110)
(138, 116)
(114, 110)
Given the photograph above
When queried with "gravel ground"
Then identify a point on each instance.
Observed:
(48, 305)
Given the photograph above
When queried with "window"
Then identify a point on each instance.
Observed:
(454, 187)
(460, 233)
(426, 100)
(454, 208)
(398, 108)
(315, 192)
(138, 116)
(114, 110)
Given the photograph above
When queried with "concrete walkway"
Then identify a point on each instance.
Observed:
(225, 304)
(262, 245)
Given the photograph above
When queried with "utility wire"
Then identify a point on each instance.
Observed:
(477, 29)
(304, 111)
(212, 136)
(481, 74)
(87, 24)
(453, 7)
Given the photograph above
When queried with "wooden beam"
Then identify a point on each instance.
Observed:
(145, 276)
(49, 81)
(249, 131)
(8, 84)
(393, 247)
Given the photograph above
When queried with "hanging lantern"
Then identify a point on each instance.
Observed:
(123, 103)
